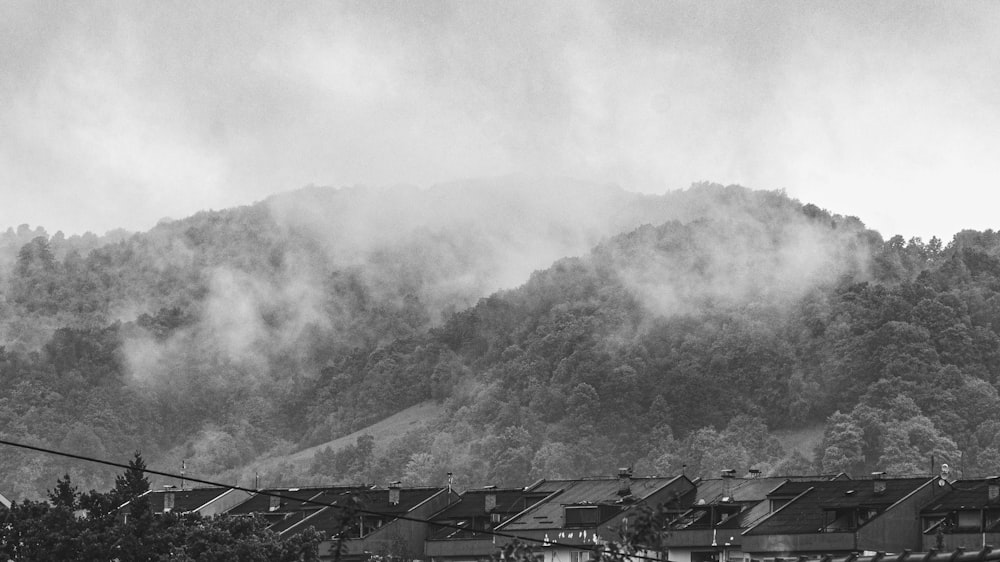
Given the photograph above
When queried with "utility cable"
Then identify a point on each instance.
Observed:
(543, 542)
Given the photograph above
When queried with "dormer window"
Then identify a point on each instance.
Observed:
(777, 503)
(839, 520)
(848, 519)
(581, 515)
(968, 520)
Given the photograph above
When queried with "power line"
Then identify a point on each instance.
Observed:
(188, 478)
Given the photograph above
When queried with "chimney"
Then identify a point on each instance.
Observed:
(727, 474)
(945, 472)
(394, 492)
(879, 478)
(624, 482)
(993, 489)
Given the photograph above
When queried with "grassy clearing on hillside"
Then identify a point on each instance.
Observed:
(286, 466)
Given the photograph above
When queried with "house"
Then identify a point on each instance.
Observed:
(967, 516)
(387, 522)
(721, 509)
(577, 516)
(462, 531)
(839, 517)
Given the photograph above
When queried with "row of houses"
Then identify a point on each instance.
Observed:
(726, 519)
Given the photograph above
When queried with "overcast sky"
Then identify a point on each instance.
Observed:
(117, 114)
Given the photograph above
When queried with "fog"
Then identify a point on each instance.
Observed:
(119, 115)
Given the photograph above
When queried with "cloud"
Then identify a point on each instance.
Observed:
(130, 113)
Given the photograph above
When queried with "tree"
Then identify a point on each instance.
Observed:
(908, 443)
(842, 447)
(556, 460)
(711, 452)
(365, 449)
(64, 494)
(44, 531)
(133, 482)
(35, 256)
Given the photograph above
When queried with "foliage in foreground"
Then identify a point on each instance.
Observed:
(97, 526)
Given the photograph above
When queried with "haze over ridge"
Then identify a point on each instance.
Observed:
(121, 115)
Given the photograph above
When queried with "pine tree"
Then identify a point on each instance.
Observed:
(64, 494)
(133, 482)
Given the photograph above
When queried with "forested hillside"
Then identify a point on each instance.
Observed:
(565, 334)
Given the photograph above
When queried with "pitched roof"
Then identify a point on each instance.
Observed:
(471, 514)
(964, 494)
(473, 504)
(744, 495)
(292, 499)
(753, 493)
(806, 514)
(737, 489)
(329, 518)
(184, 500)
(593, 491)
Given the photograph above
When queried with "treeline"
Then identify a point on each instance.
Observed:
(583, 369)
(677, 345)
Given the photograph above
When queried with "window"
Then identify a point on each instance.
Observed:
(581, 516)
(692, 519)
(838, 520)
(930, 524)
(723, 514)
(866, 514)
(992, 519)
(777, 504)
(581, 556)
(969, 520)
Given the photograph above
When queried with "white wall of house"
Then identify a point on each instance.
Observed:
(700, 555)
(563, 554)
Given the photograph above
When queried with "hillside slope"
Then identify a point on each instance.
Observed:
(685, 330)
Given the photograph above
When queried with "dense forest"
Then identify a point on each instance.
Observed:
(564, 335)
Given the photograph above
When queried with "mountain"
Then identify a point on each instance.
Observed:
(564, 328)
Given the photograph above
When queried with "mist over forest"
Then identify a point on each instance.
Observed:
(561, 328)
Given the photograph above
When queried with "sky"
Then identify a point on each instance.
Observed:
(119, 114)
